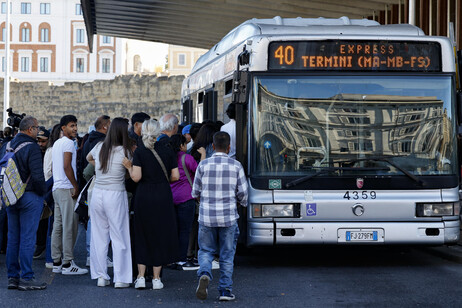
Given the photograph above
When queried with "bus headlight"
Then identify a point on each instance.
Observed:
(437, 209)
(274, 210)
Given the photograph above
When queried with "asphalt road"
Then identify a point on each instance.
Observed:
(315, 276)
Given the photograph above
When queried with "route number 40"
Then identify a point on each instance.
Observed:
(285, 55)
(355, 195)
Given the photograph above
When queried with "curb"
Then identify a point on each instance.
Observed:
(450, 253)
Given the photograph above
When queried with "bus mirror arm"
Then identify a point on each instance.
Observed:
(240, 78)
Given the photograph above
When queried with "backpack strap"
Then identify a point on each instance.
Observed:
(161, 163)
(19, 147)
(183, 163)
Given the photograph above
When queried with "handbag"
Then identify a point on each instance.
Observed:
(46, 212)
(161, 163)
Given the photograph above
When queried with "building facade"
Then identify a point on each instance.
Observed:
(48, 42)
(181, 59)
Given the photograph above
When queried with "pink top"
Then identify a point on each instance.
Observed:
(181, 189)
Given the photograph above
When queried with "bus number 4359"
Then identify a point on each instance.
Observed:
(356, 195)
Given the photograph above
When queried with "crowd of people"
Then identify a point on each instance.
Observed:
(156, 193)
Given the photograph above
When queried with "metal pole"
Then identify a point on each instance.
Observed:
(412, 12)
(6, 86)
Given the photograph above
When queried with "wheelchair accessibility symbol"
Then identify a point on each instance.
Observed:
(311, 209)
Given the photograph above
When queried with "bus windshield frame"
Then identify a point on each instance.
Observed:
(349, 125)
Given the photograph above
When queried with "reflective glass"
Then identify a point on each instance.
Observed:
(353, 125)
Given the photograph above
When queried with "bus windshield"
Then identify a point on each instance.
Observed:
(353, 125)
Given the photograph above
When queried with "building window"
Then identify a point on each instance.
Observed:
(44, 35)
(44, 65)
(106, 65)
(45, 8)
(24, 64)
(80, 36)
(3, 34)
(3, 64)
(137, 63)
(25, 7)
(25, 35)
(106, 39)
(79, 65)
(182, 59)
(78, 9)
(4, 7)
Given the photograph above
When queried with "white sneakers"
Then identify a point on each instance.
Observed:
(121, 285)
(102, 282)
(109, 262)
(118, 285)
(73, 269)
(215, 264)
(140, 283)
(157, 284)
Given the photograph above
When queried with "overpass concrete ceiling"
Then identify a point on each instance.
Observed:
(202, 23)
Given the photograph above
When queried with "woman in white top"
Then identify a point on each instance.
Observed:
(109, 207)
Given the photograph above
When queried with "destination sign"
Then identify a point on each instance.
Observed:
(355, 56)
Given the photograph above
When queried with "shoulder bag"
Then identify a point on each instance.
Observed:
(161, 163)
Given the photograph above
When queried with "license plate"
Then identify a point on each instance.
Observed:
(358, 236)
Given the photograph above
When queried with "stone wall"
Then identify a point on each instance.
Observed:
(120, 97)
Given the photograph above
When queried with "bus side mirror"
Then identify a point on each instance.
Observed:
(240, 87)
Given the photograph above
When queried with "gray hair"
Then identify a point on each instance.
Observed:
(149, 132)
(26, 123)
(168, 122)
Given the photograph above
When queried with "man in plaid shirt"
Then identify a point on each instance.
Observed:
(220, 183)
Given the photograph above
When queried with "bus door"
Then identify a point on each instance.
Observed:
(187, 111)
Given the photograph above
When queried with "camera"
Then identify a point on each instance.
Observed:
(14, 118)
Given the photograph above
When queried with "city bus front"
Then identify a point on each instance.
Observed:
(354, 154)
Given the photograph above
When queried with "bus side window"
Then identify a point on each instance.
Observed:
(210, 105)
(187, 111)
(200, 108)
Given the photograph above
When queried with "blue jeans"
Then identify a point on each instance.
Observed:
(221, 241)
(23, 220)
(185, 217)
(2, 221)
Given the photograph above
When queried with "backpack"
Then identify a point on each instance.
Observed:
(12, 186)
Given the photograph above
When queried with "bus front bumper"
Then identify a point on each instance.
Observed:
(424, 233)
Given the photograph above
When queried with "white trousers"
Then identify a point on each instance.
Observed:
(109, 222)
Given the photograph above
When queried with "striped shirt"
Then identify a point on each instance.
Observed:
(220, 183)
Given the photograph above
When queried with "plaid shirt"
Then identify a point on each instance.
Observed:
(220, 182)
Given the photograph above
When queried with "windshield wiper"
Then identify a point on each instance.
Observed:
(388, 161)
(329, 169)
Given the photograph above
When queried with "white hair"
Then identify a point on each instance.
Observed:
(149, 132)
(168, 122)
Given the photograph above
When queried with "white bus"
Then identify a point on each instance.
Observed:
(347, 129)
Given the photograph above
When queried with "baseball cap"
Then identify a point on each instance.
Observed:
(186, 129)
(43, 133)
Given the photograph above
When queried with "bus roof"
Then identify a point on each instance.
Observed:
(303, 26)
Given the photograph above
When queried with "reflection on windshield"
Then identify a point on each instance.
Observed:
(296, 133)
